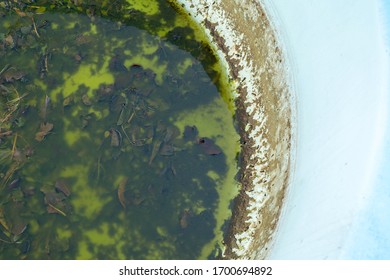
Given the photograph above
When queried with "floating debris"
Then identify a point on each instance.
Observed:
(45, 107)
(116, 137)
(18, 228)
(14, 184)
(67, 101)
(55, 202)
(51, 209)
(123, 116)
(62, 187)
(11, 75)
(121, 192)
(5, 133)
(209, 147)
(184, 218)
(78, 58)
(44, 130)
(86, 100)
(94, 93)
(155, 149)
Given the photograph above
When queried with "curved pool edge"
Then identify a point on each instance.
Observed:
(247, 43)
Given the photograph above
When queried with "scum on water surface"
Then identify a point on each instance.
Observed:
(117, 137)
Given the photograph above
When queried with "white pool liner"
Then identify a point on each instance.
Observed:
(338, 205)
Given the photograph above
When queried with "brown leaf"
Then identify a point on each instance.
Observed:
(61, 186)
(39, 136)
(20, 13)
(209, 147)
(184, 218)
(18, 228)
(121, 191)
(116, 137)
(44, 129)
(86, 100)
(9, 40)
(51, 209)
(155, 148)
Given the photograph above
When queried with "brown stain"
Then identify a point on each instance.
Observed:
(260, 46)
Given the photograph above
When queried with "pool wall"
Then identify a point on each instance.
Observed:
(247, 43)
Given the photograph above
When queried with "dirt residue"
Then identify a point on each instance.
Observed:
(264, 120)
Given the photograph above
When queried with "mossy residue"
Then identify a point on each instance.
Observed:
(115, 142)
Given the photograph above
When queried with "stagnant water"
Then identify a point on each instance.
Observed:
(117, 136)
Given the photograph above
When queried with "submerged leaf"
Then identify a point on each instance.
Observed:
(55, 203)
(53, 197)
(62, 187)
(123, 116)
(155, 149)
(14, 184)
(116, 137)
(121, 191)
(184, 218)
(45, 128)
(18, 228)
(86, 100)
(209, 147)
(12, 74)
(51, 209)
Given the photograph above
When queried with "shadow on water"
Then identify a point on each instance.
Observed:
(94, 165)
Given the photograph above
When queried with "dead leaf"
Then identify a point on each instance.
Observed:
(116, 137)
(184, 218)
(44, 129)
(121, 191)
(209, 147)
(61, 186)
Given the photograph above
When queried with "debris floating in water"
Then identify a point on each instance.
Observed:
(44, 130)
(121, 191)
(208, 146)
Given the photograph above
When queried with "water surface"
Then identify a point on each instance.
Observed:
(117, 137)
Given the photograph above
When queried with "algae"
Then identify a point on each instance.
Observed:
(110, 89)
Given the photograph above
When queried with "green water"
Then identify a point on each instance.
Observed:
(117, 136)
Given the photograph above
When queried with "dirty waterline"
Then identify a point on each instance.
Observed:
(248, 44)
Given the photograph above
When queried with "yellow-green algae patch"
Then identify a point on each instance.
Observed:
(87, 200)
(86, 75)
(153, 64)
(217, 127)
(147, 7)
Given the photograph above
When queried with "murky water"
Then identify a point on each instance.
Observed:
(117, 136)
